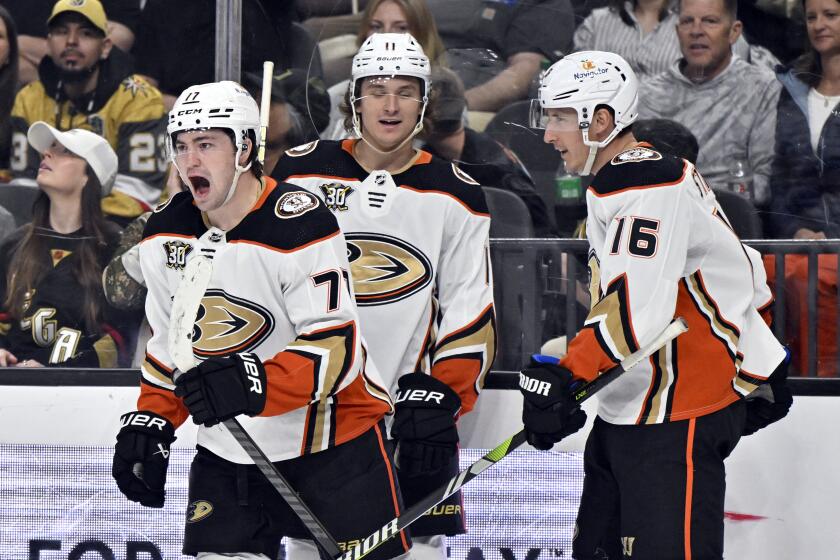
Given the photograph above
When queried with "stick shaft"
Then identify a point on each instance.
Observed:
(265, 106)
(415, 512)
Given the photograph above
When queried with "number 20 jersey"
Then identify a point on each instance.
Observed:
(661, 247)
(417, 243)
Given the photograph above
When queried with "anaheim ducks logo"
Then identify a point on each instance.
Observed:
(198, 511)
(227, 324)
(302, 150)
(385, 269)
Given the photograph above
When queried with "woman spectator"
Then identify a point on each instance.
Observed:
(643, 32)
(51, 268)
(8, 86)
(388, 16)
(805, 180)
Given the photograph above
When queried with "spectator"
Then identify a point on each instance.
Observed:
(175, 47)
(8, 86)
(484, 159)
(497, 48)
(726, 102)
(667, 136)
(52, 268)
(388, 16)
(805, 181)
(300, 109)
(86, 82)
(30, 16)
(641, 31)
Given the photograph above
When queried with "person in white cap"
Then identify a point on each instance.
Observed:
(278, 339)
(51, 278)
(660, 247)
(418, 230)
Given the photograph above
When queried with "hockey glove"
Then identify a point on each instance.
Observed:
(424, 424)
(548, 412)
(770, 402)
(141, 457)
(220, 388)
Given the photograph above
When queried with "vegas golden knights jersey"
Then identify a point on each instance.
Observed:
(661, 247)
(279, 289)
(418, 247)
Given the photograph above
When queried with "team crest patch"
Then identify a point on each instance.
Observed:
(295, 204)
(133, 85)
(636, 154)
(463, 176)
(176, 254)
(199, 510)
(302, 150)
(335, 195)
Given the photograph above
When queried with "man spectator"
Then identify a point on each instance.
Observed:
(87, 83)
(728, 103)
(484, 159)
(30, 16)
(497, 48)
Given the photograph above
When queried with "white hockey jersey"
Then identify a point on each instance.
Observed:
(661, 247)
(418, 245)
(278, 289)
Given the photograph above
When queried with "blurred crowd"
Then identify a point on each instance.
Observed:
(746, 89)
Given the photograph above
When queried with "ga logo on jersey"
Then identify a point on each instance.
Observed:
(295, 204)
(385, 269)
(176, 254)
(227, 324)
(335, 195)
(636, 154)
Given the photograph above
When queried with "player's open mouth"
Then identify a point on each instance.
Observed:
(389, 122)
(200, 185)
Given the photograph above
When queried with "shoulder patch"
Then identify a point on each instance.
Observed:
(637, 154)
(134, 84)
(294, 204)
(462, 175)
(303, 149)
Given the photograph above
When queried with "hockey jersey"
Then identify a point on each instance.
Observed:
(278, 289)
(124, 109)
(661, 247)
(418, 247)
(52, 330)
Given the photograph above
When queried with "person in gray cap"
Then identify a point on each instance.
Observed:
(50, 269)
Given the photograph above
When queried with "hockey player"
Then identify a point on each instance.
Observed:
(660, 247)
(417, 234)
(277, 316)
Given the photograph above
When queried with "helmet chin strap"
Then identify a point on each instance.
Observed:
(590, 160)
(357, 129)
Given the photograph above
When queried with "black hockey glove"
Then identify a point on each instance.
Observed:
(141, 457)
(424, 424)
(220, 388)
(770, 402)
(548, 412)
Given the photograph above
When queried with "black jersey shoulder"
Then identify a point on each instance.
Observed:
(436, 175)
(327, 158)
(289, 219)
(177, 216)
(638, 168)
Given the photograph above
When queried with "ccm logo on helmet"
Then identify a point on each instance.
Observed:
(419, 395)
(534, 385)
(189, 112)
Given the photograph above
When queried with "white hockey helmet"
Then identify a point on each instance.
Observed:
(582, 81)
(223, 104)
(391, 54)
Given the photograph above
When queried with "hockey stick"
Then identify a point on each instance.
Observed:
(265, 106)
(185, 306)
(415, 512)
